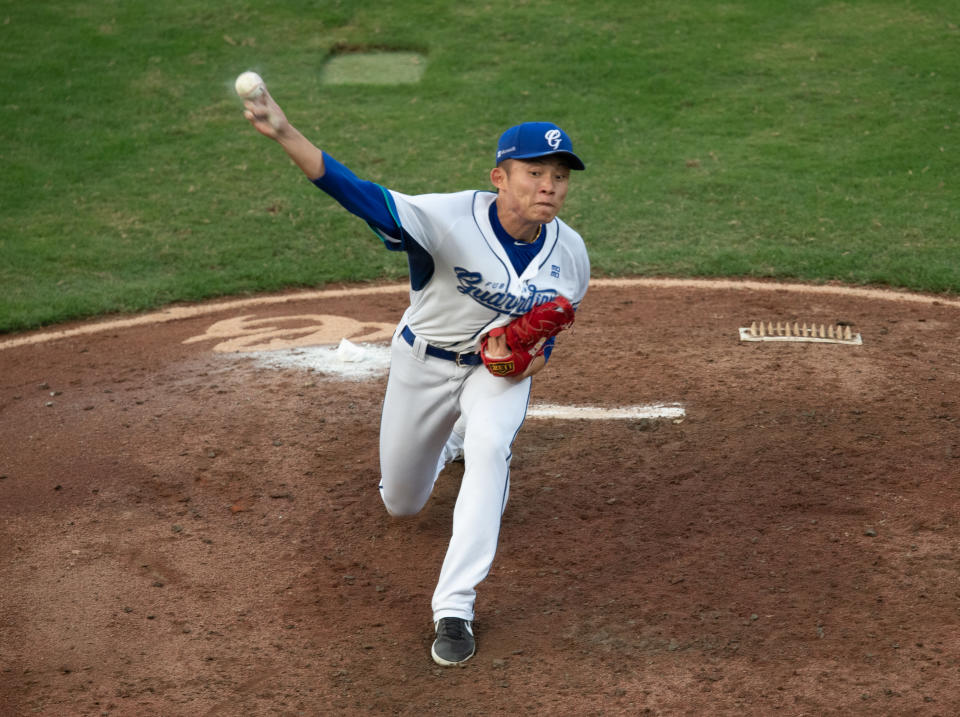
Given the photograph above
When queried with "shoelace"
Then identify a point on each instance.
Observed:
(453, 629)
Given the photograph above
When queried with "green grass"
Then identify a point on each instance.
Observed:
(808, 140)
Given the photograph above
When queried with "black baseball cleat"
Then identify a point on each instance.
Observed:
(454, 644)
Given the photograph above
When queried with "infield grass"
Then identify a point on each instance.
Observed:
(807, 140)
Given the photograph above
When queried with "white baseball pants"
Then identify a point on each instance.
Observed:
(424, 398)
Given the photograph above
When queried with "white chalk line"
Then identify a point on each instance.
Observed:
(594, 413)
(359, 362)
(186, 312)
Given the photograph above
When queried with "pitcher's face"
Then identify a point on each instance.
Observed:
(530, 191)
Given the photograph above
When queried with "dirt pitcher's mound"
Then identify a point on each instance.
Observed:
(188, 530)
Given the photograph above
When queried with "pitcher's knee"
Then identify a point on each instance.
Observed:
(401, 506)
(400, 512)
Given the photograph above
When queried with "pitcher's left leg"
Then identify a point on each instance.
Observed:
(493, 409)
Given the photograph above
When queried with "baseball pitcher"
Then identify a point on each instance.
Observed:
(494, 277)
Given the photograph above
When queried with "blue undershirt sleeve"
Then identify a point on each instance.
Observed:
(365, 199)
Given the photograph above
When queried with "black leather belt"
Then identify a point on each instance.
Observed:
(467, 359)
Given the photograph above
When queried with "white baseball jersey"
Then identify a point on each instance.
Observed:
(474, 286)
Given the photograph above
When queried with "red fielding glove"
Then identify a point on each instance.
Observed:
(526, 336)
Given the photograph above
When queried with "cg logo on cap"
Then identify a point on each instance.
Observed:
(553, 138)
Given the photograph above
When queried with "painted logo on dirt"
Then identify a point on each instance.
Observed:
(249, 333)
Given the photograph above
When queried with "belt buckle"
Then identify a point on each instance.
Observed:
(456, 360)
(459, 356)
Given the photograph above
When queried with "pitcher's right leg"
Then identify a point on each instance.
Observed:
(419, 411)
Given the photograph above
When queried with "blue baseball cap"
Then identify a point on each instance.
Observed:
(536, 139)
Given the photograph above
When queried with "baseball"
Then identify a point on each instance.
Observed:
(249, 85)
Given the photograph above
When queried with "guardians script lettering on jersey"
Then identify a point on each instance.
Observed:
(472, 285)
